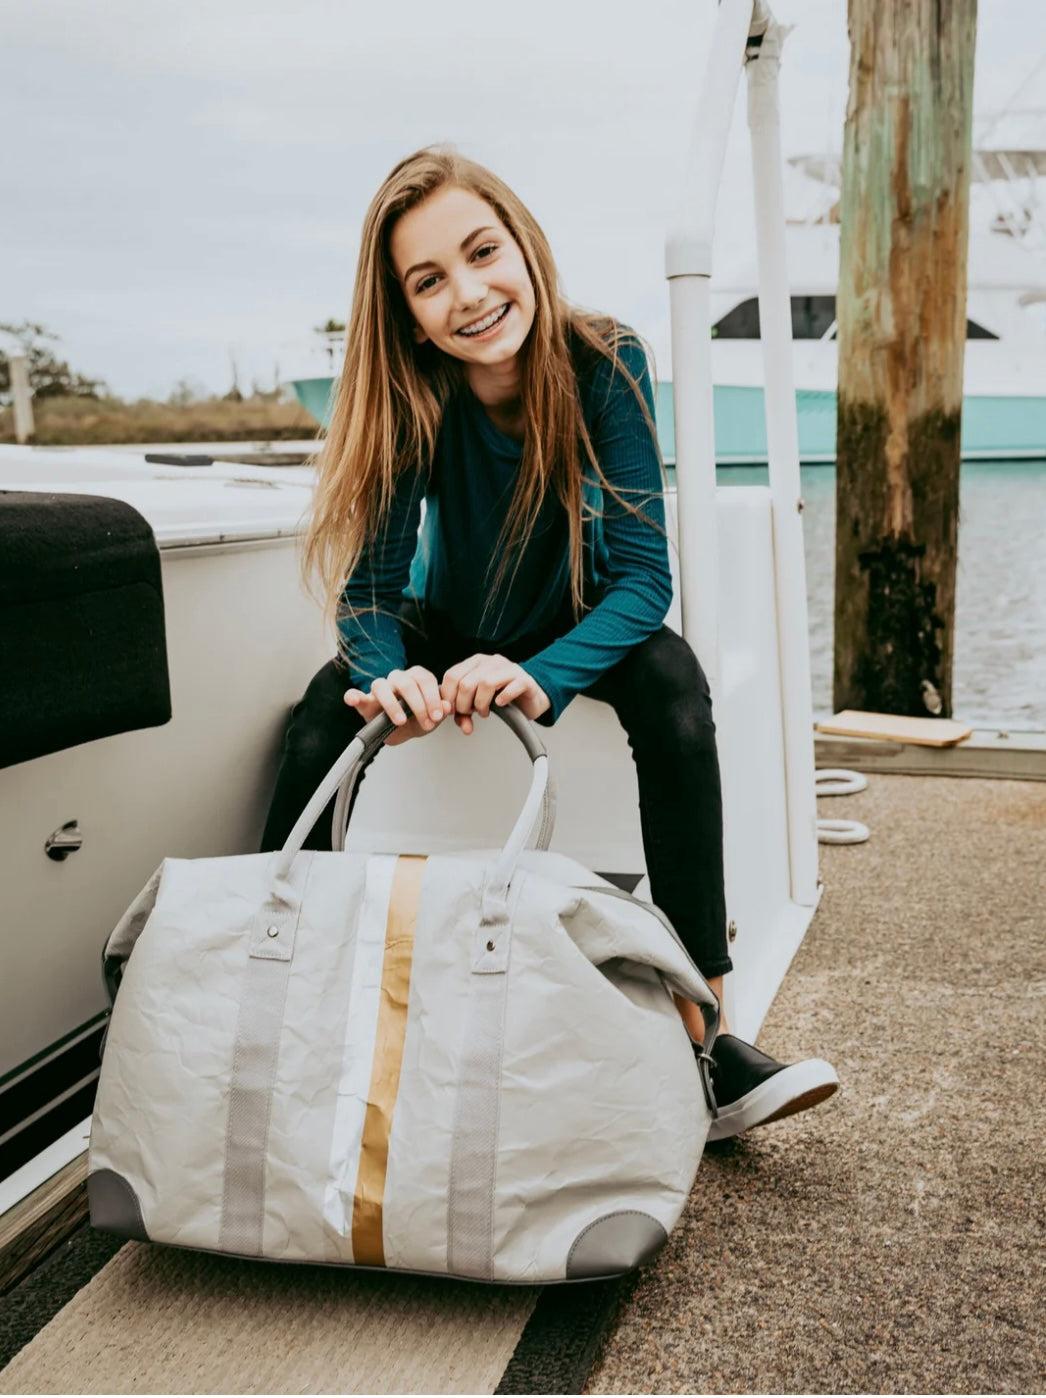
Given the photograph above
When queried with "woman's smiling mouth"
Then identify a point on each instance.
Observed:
(480, 329)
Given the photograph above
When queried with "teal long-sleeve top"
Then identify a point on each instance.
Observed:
(451, 564)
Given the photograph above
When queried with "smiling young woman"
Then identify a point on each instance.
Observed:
(542, 567)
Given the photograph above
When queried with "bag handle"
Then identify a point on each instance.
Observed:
(345, 773)
(523, 730)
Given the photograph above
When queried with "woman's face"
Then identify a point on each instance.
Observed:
(458, 264)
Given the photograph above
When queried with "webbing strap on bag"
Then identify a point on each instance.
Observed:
(473, 1161)
(259, 1022)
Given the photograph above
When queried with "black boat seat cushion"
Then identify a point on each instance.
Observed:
(83, 651)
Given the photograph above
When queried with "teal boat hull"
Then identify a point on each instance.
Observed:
(993, 428)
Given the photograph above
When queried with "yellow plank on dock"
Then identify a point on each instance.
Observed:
(931, 732)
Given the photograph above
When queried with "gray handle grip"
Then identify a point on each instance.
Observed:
(509, 714)
(345, 773)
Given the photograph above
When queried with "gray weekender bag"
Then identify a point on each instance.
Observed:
(466, 1064)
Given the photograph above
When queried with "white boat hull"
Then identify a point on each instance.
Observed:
(243, 641)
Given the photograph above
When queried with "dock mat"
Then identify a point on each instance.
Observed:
(163, 1320)
(562, 1337)
(553, 1354)
(28, 1307)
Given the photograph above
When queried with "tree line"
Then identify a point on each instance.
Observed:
(49, 376)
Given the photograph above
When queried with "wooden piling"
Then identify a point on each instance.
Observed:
(902, 332)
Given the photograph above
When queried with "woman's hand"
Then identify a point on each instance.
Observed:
(418, 688)
(471, 685)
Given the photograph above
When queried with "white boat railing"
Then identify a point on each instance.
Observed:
(688, 267)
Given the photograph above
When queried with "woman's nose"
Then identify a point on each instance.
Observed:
(470, 290)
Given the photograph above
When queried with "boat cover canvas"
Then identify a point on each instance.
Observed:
(81, 623)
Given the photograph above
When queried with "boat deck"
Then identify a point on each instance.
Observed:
(890, 1241)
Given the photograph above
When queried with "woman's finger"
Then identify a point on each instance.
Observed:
(431, 699)
(453, 678)
(383, 691)
(448, 688)
(488, 670)
(365, 706)
(410, 694)
(514, 690)
(465, 694)
(485, 690)
(527, 694)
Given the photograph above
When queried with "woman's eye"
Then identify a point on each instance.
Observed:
(425, 281)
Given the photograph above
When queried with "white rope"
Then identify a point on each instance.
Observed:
(837, 781)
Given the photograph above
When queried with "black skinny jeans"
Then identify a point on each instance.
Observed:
(661, 697)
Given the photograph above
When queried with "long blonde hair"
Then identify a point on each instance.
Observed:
(392, 392)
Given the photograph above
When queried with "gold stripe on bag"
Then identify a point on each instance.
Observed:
(368, 1245)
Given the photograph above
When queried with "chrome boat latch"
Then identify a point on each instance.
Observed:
(64, 842)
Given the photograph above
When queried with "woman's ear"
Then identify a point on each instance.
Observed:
(419, 335)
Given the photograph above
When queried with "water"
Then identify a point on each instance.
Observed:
(1000, 610)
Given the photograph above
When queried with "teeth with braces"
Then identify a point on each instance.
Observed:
(485, 324)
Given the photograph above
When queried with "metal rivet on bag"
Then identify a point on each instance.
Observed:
(272, 931)
(490, 946)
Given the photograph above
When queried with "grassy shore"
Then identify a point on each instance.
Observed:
(83, 421)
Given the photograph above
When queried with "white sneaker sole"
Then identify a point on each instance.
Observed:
(793, 1089)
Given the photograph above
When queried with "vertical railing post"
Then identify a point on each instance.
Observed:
(688, 267)
(782, 436)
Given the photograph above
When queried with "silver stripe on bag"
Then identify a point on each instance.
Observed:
(259, 1023)
(473, 1161)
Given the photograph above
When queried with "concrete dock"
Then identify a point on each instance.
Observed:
(893, 1240)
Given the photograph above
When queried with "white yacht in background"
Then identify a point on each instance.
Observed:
(1004, 374)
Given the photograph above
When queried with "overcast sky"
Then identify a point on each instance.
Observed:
(184, 181)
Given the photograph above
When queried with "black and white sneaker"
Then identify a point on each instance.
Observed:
(751, 1088)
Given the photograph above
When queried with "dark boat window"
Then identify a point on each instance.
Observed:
(742, 323)
(812, 317)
